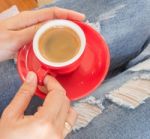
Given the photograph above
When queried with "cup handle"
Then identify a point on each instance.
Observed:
(41, 73)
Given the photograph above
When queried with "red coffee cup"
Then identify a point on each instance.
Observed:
(52, 68)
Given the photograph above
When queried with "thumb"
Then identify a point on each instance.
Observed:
(23, 97)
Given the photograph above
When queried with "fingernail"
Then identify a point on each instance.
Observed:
(31, 77)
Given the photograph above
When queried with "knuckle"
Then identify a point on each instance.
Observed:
(25, 94)
(26, 89)
(46, 125)
(28, 86)
(56, 12)
(49, 127)
(55, 8)
(59, 92)
(58, 133)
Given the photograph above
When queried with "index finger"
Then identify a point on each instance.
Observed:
(52, 84)
(29, 18)
(54, 100)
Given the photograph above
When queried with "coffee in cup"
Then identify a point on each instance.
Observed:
(59, 44)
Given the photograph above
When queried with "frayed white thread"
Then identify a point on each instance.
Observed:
(144, 76)
(87, 110)
(132, 93)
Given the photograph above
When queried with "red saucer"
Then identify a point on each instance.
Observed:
(92, 71)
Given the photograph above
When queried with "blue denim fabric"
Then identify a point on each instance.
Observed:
(125, 25)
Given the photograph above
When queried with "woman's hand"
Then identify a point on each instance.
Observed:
(20, 29)
(53, 120)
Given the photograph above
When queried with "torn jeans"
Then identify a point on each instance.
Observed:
(113, 111)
